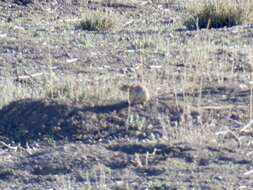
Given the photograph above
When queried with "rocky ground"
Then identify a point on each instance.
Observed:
(65, 123)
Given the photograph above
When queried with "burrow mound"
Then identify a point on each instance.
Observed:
(33, 120)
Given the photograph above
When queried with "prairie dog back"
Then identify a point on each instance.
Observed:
(137, 94)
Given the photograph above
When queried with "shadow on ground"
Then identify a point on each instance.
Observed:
(26, 120)
(34, 120)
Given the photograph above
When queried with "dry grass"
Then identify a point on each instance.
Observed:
(218, 14)
(68, 88)
(97, 22)
(200, 68)
(85, 57)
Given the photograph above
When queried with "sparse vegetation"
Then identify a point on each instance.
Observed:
(65, 122)
(218, 14)
(157, 186)
(96, 22)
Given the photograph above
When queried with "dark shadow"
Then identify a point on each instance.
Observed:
(28, 120)
(23, 2)
(119, 5)
(106, 108)
(181, 150)
(222, 93)
(226, 159)
(149, 171)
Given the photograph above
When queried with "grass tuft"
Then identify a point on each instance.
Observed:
(96, 22)
(219, 14)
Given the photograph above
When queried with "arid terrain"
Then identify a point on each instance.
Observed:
(65, 123)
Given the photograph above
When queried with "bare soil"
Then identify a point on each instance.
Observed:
(199, 83)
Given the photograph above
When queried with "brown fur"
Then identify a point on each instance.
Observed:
(137, 94)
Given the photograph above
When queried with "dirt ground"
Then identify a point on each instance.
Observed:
(65, 123)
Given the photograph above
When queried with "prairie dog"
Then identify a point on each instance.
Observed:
(137, 94)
